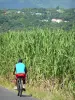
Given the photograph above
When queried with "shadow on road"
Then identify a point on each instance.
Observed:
(27, 95)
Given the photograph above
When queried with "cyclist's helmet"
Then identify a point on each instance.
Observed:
(20, 60)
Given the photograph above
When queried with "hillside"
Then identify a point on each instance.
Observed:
(33, 18)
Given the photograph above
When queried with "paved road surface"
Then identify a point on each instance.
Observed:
(5, 94)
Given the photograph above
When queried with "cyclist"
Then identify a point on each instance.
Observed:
(20, 70)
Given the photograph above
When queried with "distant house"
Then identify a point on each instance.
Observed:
(60, 11)
(18, 12)
(22, 12)
(38, 13)
(44, 20)
(66, 21)
(57, 20)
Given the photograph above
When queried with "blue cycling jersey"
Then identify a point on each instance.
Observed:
(20, 68)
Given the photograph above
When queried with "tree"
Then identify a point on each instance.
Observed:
(57, 8)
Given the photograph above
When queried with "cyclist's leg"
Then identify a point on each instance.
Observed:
(24, 81)
(15, 87)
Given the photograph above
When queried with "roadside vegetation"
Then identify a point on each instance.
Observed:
(49, 55)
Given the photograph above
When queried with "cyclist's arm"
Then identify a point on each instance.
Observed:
(14, 70)
(25, 70)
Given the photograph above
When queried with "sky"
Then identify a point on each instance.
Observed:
(13, 4)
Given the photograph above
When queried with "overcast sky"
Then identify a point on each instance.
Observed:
(36, 3)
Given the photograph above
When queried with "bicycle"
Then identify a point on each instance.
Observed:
(20, 86)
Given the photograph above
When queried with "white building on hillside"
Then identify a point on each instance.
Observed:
(57, 20)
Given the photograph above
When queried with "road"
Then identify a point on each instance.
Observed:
(5, 94)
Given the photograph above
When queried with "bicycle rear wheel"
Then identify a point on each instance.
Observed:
(19, 86)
